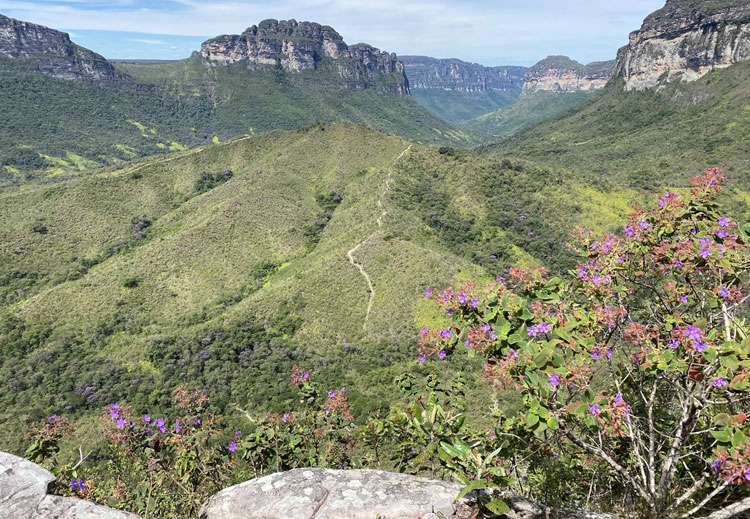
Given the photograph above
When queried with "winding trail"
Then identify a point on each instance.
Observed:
(379, 222)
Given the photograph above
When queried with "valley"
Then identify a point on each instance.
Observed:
(281, 206)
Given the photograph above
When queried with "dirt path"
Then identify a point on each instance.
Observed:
(379, 222)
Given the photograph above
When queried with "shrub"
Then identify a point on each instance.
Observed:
(638, 364)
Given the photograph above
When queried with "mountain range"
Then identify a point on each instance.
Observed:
(308, 199)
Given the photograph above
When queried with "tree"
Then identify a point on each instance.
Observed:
(640, 360)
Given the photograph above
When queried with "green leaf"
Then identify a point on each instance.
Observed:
(532, 419)
(552, 423)
(738, 439)
(730, 362)
(498, 506)
(477, 484)
(721, 436)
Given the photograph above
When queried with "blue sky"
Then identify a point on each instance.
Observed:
(492, 32)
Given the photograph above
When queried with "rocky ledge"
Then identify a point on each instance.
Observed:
(685, 40)
(562, 74)
(23, 494)
(302, 46)
(28, 47)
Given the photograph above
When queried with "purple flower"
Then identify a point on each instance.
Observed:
(532, 331)
(699, 347)
(724, 292)
(594, 354)
(486, 328)
(462, 298)
(285, 417)
(643, 224)
(543, 327)
(342, 390)
(232, 447)
(177, 427)
(52, 418)
(581, 273)
(474, 303)
(331, 393)
(427, 292)
(618, 399)
(160, 425)
(719, 382)
(237, 433)
(694, 333)
(114, 411)
(716, 464)
(594, 409)
(441, 354)
(75, 485)
(423, 331)
(499, 278)
(747, 473)
(705, 252)
(146, 418)
(703, 242)
(677, 264)
(724, 221)
(721, 233)
(197, 421)
(305, 375)
(445, 334)
(421, 358)
(121, 423)
(628, 231)
(554, 380)
(684, 298)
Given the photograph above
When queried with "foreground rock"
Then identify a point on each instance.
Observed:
(23, 494)
(334, 494)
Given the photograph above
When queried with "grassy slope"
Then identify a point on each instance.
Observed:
(457, 107)
(235, 261)
(649, 139)
(528, 110)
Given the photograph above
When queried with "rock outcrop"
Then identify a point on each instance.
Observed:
(426, 73)
(301, 46)
(685, 40)
(334, 494)
(23, 494)
(28, 47)
(562, 74)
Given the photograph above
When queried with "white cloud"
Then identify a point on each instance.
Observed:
(148, 42)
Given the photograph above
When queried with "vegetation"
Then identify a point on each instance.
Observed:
(170, 106)
(638, 364)
(458, 107)
(528, 110)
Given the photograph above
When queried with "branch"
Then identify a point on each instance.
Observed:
(731, 510)
(705, 501)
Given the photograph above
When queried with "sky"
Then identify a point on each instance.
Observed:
(490, 32)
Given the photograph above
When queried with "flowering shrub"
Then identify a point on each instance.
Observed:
(640, 363)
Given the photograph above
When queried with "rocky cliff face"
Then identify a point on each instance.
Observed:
(685, 40)
(27, 47)
(301, 46)
(453, 74)
(562, 74)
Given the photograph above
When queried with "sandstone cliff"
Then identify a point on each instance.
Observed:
(562, 74)
(685, 40)
(453, 74)
(27, 47)
(302, 46)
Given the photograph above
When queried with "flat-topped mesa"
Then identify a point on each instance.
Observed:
(685, 40)
(28, 47)
(562, 74)
(302, 46)
(426, 73)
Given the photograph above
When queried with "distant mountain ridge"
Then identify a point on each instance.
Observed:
(454, 74)
(298, 46)
(458, 91)
(29, 47)
(562, 74)
(685, 40)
